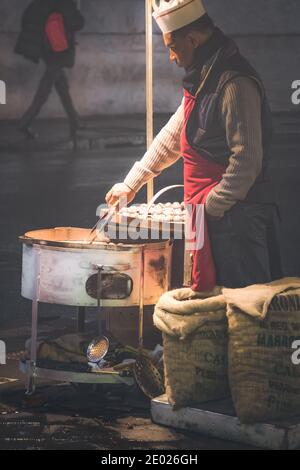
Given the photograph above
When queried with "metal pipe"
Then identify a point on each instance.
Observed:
(149, 85)
(31, 374)
(141, 299)
(99, 299)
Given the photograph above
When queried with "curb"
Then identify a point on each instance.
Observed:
(101, 143)
(82, 143)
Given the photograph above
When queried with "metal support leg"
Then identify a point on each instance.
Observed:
(99, 303)
(32, 376)
(32, 372)
(141, 300)
(81, 312)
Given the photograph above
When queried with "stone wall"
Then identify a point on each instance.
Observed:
(109, 76)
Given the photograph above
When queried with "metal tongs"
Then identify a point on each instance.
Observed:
(103, 220)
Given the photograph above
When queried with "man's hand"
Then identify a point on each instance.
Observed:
(118, 191)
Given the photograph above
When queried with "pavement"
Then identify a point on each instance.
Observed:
(48, 183)
(98, 133)
(62, 417)
(103, 132)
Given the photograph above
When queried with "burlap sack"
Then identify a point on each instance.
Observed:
(66, 349)
(194, 330)
(264, 321)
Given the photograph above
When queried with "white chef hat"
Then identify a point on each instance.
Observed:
(171, 15)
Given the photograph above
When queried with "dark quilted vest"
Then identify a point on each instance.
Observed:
(205, 131)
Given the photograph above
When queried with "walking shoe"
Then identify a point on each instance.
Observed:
(29, 133)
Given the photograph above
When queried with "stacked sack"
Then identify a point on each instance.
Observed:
(195, 338)
(264, 323)
(254, 349)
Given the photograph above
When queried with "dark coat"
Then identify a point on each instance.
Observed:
(32, 42)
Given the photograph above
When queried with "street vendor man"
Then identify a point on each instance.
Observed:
(222, 130)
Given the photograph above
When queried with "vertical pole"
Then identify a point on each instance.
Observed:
(149, 84)
(141, 299)
(99, 303)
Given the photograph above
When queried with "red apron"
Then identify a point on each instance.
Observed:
(200, 177)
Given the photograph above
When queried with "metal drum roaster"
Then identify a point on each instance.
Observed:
(61, 266)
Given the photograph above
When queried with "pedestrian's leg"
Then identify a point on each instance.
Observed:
(239, 245)
(42, 94)
(62, 88)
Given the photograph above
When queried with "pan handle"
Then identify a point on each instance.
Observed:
(162, 191)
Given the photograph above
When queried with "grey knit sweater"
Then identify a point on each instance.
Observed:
(240, 108)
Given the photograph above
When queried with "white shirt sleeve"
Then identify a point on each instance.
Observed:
(164, 151)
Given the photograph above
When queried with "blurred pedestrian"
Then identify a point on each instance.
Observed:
(48, 33)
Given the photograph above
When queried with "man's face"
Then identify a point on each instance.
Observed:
(181, 48)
